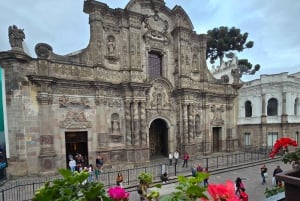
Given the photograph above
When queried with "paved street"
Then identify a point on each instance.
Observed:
(250, 176)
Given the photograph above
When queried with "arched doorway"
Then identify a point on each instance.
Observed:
(158, 138)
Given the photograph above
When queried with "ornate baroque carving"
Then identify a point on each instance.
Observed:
(75, 119)
(43, 50)
(65, 102)
(159, 96)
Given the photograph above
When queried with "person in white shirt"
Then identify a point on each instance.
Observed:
(170, 158)
(72, 164)
(176, 156)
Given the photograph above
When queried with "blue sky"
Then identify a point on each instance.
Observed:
(272, 25)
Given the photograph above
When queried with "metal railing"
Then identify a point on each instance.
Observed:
(22, 190)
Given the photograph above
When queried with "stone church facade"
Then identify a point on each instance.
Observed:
(140, 89)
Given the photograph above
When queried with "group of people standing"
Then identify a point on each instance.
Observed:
(175, 156)
(198, 169)
(79, 164)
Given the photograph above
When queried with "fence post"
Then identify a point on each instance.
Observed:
(2, 195)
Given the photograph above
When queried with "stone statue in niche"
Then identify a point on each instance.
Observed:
(115, 123)
(111, 45)
(16, 36)
(159, 101)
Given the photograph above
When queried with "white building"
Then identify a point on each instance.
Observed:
(269, 108)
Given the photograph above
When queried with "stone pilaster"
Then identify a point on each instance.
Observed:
(284, 114)
(263, 109)
(128, 123)
(190, 123)
(47, 153)
(185, 124)
(143, 124)
(136, 128)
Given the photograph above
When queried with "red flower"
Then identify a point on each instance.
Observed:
(220, 192)
(118, 194)
(283, 142)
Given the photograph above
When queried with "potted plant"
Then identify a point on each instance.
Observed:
(290, 178)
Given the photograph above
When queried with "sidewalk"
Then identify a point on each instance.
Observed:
(250, 176)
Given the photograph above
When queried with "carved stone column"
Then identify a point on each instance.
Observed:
(143, 124)
(190, 123)
(185, 124)
(128, 123)
(47, 152)
(136, 128)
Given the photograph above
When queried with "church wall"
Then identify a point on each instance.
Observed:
(105, 91)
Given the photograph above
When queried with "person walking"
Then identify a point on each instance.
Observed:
(186, 157)
(205, 181)
(91, 171)
(99, 162)
(276, 171)
(264, 173)
(176, 156)
(170, 158)
(119, 180)
(238, 186)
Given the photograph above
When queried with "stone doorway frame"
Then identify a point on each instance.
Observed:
(216, 139)
(166, 133)
(76, 142)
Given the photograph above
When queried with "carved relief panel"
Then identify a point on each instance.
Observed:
(159, 96)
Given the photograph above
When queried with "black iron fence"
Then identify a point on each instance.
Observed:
(23, 189)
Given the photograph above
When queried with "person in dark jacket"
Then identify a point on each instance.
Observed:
(276, 171)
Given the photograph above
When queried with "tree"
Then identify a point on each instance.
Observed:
(222, 40)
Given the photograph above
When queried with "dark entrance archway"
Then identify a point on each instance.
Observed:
(158, 138)
(76, 143)
(216, 139)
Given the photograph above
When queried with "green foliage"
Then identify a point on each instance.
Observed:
(289, 157)
(145, 178)
(188, 189)
(222, 40)
(273, 191)
(246, 66)
(72, 187)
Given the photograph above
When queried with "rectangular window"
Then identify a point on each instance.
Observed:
(247, 138)
(272, 137)
(155, 65)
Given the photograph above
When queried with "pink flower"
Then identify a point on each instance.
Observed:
(222, 192)
(118, 194)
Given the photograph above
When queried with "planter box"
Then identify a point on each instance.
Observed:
(291, 181)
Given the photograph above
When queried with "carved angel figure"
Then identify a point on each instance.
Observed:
(16, 36)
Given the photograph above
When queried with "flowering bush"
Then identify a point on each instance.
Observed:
(118, 194)
(222, 192)
(73, 188)
(282, 145)
(188, 189)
